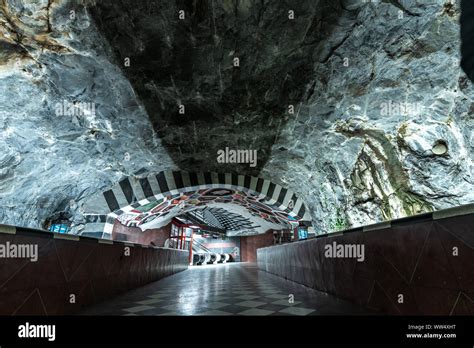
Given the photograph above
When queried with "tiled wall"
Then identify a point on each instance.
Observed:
(90, 269)
(413, 257)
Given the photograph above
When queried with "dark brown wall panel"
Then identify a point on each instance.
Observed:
(427, 261)
(91, 270)
(250, 244)
(156, 236)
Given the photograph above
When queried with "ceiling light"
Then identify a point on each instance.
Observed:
(440, 147)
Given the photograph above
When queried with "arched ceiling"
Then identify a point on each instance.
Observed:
(342, 64)
(190, 62)
(242, 205)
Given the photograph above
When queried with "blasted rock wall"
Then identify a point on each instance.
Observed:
(382, 125)
(70, 121)
(386, 131)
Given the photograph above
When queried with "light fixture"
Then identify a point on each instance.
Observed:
(440, 147)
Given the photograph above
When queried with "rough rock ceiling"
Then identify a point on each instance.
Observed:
(382, 128)
(190, 62)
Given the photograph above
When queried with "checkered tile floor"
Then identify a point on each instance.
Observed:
(226, 289)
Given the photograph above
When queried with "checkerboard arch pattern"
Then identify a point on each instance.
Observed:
(102, 208)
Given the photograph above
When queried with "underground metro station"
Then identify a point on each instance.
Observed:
(172, 158)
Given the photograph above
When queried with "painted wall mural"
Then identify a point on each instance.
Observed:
(159, 212)
(151, 200)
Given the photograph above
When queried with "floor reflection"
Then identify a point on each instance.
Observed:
(225, 289)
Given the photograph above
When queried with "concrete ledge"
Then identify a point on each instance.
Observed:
(378, 226)
(456, 211)
(335, 234)
(7, 229)
(105, 241)
(66, 236)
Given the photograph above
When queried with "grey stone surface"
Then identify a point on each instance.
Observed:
(360, 147)
(383, 114)
(190, 62)
(51, 162)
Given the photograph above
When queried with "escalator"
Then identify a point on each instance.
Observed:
(203, 256)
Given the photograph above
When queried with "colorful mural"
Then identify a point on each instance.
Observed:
(187, 201)
(152, 200)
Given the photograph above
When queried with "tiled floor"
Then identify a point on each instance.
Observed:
(230, 289)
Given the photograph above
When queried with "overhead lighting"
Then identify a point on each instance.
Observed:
(194, 226)
(440, 147)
